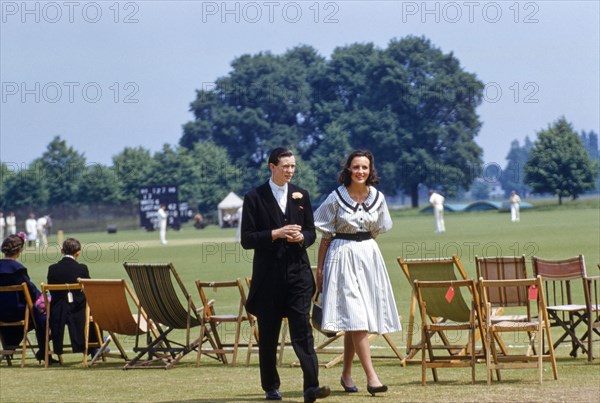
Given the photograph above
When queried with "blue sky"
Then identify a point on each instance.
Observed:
(106, 75)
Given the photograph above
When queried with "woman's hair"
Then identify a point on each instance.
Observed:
(12, 245)
(345, 175)
(71, 246)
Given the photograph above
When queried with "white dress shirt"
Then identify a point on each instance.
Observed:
(280, 193)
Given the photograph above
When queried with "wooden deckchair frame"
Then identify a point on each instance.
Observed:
(560, 277)
(504, 268)
(108, 300)
(536, 325)
(211, 319)
(27, 316)
(428, 269)
(48, 288)
(154, 287)
(443, 312)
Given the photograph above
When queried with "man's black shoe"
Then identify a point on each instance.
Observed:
(274, 394)
(314, 393)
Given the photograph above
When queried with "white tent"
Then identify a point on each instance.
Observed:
(228, 209)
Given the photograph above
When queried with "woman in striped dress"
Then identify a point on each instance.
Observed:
(357, 294)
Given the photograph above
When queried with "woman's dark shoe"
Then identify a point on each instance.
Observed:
(376, 389)
(348, 389)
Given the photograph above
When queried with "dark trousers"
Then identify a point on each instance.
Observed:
(296, 309)
(73, 316)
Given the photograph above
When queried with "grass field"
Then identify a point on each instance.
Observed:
(211, 254)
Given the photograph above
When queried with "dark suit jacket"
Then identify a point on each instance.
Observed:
(63, 312)
(67, 271)
(274, 259)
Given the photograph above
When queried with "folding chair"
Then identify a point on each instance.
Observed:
(58, 328)
(567, 304)
(109, 303)
(447, 306)
(536, 325)
(153, 284)
(436, 269)
(20, 292)
(593, 301)
(218, 322)
(504, 268)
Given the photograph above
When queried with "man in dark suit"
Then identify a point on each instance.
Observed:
(277, 222)
(68, 307)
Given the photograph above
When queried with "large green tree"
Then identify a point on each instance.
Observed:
(265, 102)
(99, 186)
(411, 104)
(132, 168)
(559, 163)
(61, 168)
(25, 188)
(212, 176)
(433, 100)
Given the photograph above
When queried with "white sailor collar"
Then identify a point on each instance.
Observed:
(372, 202)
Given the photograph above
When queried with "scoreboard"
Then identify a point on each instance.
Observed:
(151, 197)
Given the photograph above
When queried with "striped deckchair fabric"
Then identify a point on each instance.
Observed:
(154, 286)
(157, 295)
(503, 268)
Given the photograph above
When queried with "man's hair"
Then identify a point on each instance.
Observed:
(278, 153)
(71, 246)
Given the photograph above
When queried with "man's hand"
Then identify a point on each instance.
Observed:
(291, 232)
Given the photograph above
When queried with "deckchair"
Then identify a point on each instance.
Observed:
(593, 300)
(536, 325)
(435, 269)
(216, 320)
(19, 291)
(47, 290)
(447, 306)
(154, 286)
(504, 268)
(109, 303)
(566, 295)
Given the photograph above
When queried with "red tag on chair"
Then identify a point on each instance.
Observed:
(450, 294)
(532, 293)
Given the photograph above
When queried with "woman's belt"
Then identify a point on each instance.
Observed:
(359, 236)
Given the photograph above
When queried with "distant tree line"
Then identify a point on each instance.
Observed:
(411, 104)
